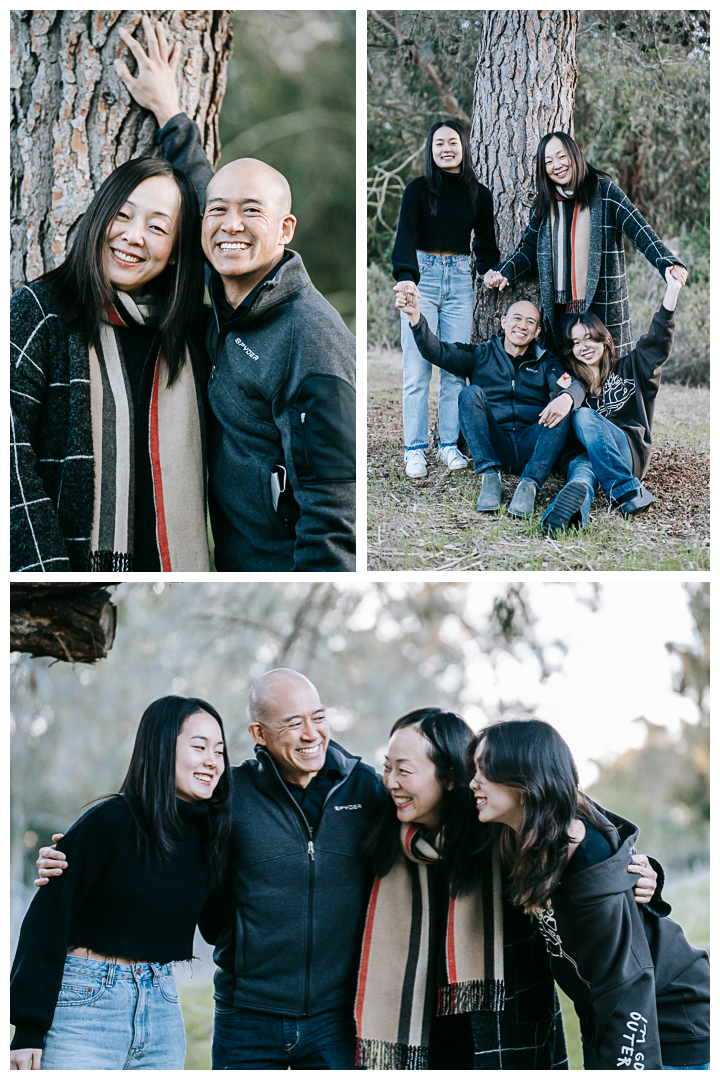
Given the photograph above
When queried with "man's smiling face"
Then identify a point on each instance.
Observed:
(294, 728)
(247, 220)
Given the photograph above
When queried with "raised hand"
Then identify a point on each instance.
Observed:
(408, 300)
(154, 87)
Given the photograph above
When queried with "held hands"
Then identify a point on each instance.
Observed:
(555, 410)
(50, 862)
(154, 86)
(24, 1059)
(494, 278)
(676, 276)
(408, 300)
(644, 888)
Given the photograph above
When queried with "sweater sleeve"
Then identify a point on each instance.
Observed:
(553, 375)
(39, 961)
(36, 541)
(653, 348)
(523, 260)
(459, 359)
(181, 146)
(635, 227)
(631, 1038)
(404, 252)
(485, 248)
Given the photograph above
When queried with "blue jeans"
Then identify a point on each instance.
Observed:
(446, 301)
(607, 461)
(246, 1039)
(528, 452)
(115, 1016)
(687, 1066)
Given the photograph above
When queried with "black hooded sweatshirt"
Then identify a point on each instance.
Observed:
(641, 991)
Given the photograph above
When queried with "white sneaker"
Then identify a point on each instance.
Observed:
(452, 458)
(415, 464)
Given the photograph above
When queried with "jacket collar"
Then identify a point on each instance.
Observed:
(336, 758)
(289, 278)
(610, 876)
(535, 353)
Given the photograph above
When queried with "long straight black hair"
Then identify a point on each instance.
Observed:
(149, 785)
(583, 176)
(81, 286)
(532, 757)
(433, 174)
(448, 737)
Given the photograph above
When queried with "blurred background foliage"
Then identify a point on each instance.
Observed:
(642, 111)
(376, 651)
(290, 101)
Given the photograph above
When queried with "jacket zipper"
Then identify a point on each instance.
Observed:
(311, 882)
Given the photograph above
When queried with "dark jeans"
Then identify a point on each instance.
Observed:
(529, 452)
(246, 1039)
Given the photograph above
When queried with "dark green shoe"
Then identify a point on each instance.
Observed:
(523, 501)
(490, 497)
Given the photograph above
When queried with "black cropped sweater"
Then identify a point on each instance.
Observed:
(111, 900)
(449, 230)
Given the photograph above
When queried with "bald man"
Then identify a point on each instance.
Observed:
(515, 414)
(281, 446)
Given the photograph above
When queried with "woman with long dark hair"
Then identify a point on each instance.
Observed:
(432, 256)
(640, 990)
(451, 976)
(107, 436)
(574, 242)
(92, 984)
(613, 429)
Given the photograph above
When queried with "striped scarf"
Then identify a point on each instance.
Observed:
(175, 447)
(399, 987)
(570, 254)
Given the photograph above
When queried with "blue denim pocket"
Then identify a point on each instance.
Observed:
(463, 266)
(168, 988)
(83, 992)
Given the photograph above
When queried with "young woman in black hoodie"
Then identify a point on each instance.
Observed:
(92, 984)
(439, 214)
(640, 990)
(614, 426)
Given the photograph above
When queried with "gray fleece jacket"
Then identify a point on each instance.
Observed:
(281, 438)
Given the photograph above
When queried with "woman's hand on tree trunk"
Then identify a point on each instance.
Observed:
(154, 86)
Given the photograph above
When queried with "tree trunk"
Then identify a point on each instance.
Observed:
(73, 121)
(70, 622)
(525, 83)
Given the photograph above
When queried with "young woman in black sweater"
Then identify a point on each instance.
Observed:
(92, 984)
(612, 440)
(640, 990)
(439, 214)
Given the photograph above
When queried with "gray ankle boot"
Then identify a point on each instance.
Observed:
(523, 501)
(490, 497)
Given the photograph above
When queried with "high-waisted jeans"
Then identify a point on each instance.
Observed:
(446, 301)
(115, 1016)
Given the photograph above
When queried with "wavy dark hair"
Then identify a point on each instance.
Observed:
(592, 379)
(532, 757)
(433, 173)
(149, 785)
(81, 286)
(448, 737)
(583, 180)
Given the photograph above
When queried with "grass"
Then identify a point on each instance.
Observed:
(432, 524)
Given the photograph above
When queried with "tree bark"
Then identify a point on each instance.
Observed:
(73, 121)
(525, 82)
(70, 622)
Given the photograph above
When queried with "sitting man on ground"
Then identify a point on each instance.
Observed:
(516, 412)
(281, 444)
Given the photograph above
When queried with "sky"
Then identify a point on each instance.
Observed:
(616, 669)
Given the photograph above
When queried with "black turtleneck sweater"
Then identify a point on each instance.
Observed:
(449, 230)
(112, 900)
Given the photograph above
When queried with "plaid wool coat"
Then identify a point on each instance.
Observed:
(611, 215)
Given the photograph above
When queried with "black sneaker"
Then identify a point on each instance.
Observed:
(566, 511)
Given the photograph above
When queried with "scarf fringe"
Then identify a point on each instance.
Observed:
(110, 560)
(373, 1054)
(485, 996)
